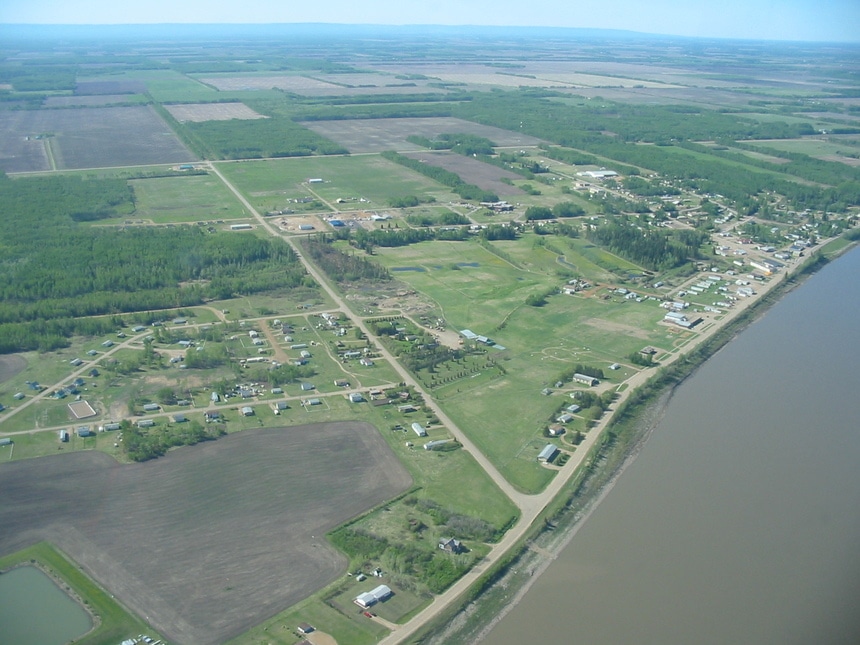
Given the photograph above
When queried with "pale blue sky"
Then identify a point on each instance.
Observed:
(833, 20)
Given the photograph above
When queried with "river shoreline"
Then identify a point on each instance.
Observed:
(625, 436)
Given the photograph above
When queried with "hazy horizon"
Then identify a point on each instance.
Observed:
(785, 20)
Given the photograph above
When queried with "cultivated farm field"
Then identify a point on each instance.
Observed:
(377, 135)
(88, 138)
(206, 542)
(472, 171)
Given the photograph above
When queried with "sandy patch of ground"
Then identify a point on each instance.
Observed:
(321, 638)
(616, 327)
(11, 365)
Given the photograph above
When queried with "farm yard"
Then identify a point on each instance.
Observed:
(87, 138)
(196, 542)
(377, 135)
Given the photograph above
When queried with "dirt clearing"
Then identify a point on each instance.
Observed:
(200, 112)
(10, 366)
(376, 135)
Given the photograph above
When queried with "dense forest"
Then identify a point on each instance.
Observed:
(54, 269)
(653, 249)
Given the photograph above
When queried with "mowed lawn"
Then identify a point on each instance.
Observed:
(267, 184)
(505, 413)
(193, 198)
(210, 540)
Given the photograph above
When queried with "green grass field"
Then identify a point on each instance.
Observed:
(505, 413)
(269, 184)
(193, 198)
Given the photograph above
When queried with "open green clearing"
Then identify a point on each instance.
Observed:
(270, 184)
(184, 199)
(504, 412)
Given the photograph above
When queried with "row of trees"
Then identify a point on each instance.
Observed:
(142, 445)
(341, 266)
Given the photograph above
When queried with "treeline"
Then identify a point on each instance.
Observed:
(54, 270)
(799, 164)
(646, 188)
(561, 210)
(633, 123)
(447, 218)
(48, 335)
(388, 237)
(410, 201)
(435, 569)
(257, 138)
(652, 249)
(567, 375)
(340, 266)
(444, 177)
(464, 144)
(82, 272)
(140, 445)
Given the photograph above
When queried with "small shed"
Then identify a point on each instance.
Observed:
(549, 453)
(247, 411)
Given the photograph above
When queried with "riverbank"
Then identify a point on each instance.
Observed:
(623, 437)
